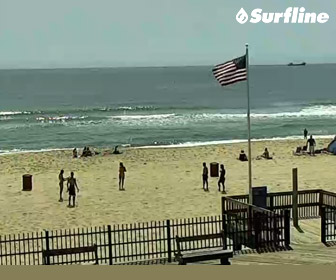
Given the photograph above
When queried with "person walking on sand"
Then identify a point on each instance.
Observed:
(61, 184)
(72, 186)
(122, 170)
(222, 178)
(305, 133)
(205, 177)
(312, 143)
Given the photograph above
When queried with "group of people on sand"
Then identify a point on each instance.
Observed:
(71, 187)
(86, 152)
(265, 155)
(221, 180)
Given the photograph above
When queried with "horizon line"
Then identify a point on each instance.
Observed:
(149, 66)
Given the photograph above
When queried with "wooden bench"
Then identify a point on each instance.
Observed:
(46, 254)
(203, 254)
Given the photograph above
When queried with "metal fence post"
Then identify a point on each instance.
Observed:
(224, 229)
(323, 225)
(169, 241)
(320, 202)
(287, 227)
(271, 200)
(109, 233)
(47, 246)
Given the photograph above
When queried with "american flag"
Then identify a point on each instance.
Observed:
(231, 72)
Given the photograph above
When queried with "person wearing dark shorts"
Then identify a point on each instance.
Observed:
(312, 143)
(72, 186)
(205, 177)
(221, 178)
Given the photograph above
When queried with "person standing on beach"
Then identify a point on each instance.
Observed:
(205, 177)
(122, 170)
(222, 178)
(61, 185)
(312, 143)
(305, 133)
(72, 186)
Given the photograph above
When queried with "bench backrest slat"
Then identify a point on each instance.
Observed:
(59, 252)
(180, 240)
(200, 237)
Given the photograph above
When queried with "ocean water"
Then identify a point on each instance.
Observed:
(173, 106)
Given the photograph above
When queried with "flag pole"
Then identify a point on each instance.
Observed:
(249, 127)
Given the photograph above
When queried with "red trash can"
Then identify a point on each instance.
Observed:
(27, 182)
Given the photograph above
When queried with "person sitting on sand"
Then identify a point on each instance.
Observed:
(205, 177)
(116, 152)
(222, 178)
(61, 185)
(72, 186)
(122, 170)
(84, 153)
(266, 154)
(74, 153)
(88, 152)
(242, 156)
(312, 143)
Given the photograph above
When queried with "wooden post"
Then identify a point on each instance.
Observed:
(169, 242)
(295, 198)
(109, 232)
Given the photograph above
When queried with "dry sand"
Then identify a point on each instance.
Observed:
(160, 183)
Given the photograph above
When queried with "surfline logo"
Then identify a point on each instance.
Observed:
(291, 15)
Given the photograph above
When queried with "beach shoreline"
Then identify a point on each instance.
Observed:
(173, 146)
(161, 183)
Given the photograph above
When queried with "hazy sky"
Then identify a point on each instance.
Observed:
(86, 33)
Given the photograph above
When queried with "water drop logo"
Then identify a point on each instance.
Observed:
(242, 16)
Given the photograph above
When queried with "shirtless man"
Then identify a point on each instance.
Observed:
(61, 185)
(72, 186)
(122, 170)
(205, 177)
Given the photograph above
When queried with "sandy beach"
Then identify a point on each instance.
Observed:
(161, 183)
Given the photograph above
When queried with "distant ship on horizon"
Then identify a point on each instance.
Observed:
(297, 64)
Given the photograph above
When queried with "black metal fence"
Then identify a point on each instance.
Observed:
(309, 202)
(118, 244)
(253, 227)
(328, 218)
(247, 226)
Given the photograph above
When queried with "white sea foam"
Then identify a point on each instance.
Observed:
(10, 113)
(233, 141)
(141, 117)
(320, 111)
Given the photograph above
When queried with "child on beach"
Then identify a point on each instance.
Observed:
(222, 178)
(72, 186)
(242, 156)
(122, 170)
(205, 177)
